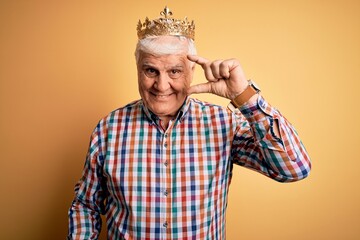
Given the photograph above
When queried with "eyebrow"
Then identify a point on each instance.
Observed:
(147, 65)
(144, 65)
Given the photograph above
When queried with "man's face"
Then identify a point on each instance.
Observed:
(163, 82)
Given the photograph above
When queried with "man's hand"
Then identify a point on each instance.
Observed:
(225, 77)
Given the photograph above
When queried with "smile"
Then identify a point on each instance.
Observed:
(161, 96)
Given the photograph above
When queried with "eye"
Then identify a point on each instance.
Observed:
(151, 72)
(175, 73)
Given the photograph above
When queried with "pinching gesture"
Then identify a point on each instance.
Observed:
(225, 77)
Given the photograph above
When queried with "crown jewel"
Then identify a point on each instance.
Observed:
(165, 25)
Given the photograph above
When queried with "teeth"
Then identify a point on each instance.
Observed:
(162, 96)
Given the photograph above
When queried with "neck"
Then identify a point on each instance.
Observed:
(164, 121)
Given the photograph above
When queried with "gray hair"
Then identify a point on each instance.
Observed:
(152, 46)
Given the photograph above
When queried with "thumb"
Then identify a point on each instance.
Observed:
(200, 88)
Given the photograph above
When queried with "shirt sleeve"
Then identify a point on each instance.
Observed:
(255, 145)
(90, 193)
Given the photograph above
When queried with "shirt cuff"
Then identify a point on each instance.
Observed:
(262, 117)
(254, 112)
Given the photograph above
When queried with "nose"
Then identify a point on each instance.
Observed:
(162, 82)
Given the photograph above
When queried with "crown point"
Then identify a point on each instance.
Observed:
(166, 26)
(166, 12)
(139, 25)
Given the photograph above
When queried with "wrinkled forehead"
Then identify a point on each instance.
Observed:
(163, 61)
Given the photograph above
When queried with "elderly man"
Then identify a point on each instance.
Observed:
(160, 167)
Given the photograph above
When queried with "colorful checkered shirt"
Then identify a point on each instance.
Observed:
(155, 183)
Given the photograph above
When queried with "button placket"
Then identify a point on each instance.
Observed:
(165, 145)
(165, 190)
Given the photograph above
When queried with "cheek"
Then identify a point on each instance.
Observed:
(179, 86)
(185, 84)
(145, 83)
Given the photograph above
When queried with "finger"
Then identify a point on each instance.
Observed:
(198, 60)
(224, 70)
(227, 66)
(205, 64)
(215, 69)
(209, 75)
(200, 88)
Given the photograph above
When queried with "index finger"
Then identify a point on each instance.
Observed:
(198, 60)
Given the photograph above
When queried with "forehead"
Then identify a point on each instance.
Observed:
(163, 61)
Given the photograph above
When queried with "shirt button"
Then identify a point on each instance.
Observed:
(165, 145)
(166, 163)
(166, 193)
(165, 224)
(166, 135)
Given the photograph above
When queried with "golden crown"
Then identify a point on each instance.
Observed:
(165, 26)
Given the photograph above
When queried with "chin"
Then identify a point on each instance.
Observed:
(164, 111)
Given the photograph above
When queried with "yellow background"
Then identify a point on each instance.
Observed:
(66, 64)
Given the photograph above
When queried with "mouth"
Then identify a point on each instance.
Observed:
(161, 96)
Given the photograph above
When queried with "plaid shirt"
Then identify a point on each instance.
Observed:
(153, 183)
